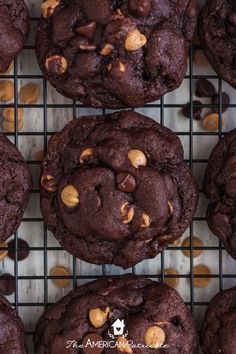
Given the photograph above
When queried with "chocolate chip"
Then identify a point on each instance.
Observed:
(22, 250)
(126, 182)
(186, 110)
(87, 30)
(225, 102)
(140, 8)
(205, 88)
(7, 284)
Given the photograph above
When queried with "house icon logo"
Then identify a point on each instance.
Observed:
(118, 327)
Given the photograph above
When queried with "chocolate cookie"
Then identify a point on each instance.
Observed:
(147, 313)
(218, 334)
(115, 188)
(12, 330)
(220, 188)
(15, 184)
(217, 32)
(14, 30)
(114, 53)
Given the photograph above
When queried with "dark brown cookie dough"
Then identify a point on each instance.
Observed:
(220, 188)
(15, 184)
(14, 30)
(218, 334)
(114, 53)
(115, 188)
(217, 32)
(147, 308)
(12, 330)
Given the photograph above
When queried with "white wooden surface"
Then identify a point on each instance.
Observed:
(32, 291)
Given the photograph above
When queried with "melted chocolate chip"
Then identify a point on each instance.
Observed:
(126, 182)
(117, 31)
(87, 30)
(140, 8)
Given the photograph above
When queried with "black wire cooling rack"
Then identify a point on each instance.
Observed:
(160, 107)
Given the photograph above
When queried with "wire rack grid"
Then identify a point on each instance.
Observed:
(33, 283)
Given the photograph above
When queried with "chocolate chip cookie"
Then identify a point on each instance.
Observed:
(217, 32)
(114, 53)
(115, 189)
(125, 312)
(218, 334)
(220, 188)
(12, 330)
(15, 184)
(14, 30)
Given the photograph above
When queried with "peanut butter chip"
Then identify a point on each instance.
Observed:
(48, 182)
(6, 90)
(119, 15)
(200, 59)
(8, 122)
(29, 93)
(85, 154)
(176, 242)
(109, 67)
(201, 269)
(3, 253)
(98, 317)
(127, 213)
(107, 49)
(10, 127)
(56, 65)
(171, 208)
(123, 345)
(39, 155)
(154, 337)
(48, 7)
(196, 242)
(9, 114)
(70, 196)
(137, 158)
(121, 67)
(173, 282)
(212, 122)
(146, 221)
(87, 47)
(61, 271)
(135, 40)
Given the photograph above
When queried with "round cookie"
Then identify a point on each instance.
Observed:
(115, 54)
(14, 30)
(217, 32)
(12, 330)
(15, 184)
(220, 188)
(115, 188)
(150, 314)
(218, 333)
